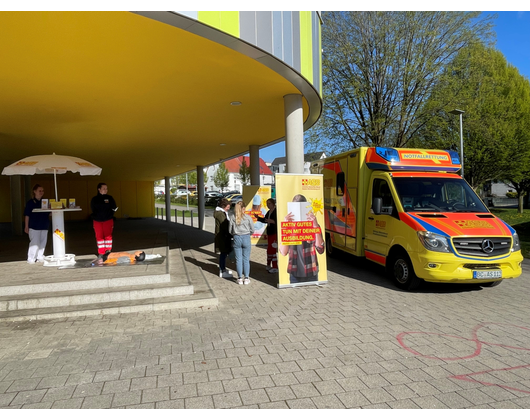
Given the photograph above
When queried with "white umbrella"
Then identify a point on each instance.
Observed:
(48, 164)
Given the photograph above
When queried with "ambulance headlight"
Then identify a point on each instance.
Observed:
(434, 242)
(516, 242)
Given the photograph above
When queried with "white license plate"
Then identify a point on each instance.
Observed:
(493, 274)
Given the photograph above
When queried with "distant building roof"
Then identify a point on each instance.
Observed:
(233, 165)
(308, 157)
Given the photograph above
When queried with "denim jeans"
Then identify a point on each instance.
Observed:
(242, 251)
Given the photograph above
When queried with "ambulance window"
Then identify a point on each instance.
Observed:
(382, 189)
(340, 184)
(455, 192)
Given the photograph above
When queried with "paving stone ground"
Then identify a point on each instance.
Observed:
(357, 342)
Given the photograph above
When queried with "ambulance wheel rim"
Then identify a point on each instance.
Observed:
(401, 271)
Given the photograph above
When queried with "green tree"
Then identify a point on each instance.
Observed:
(496, 123)
(221, 178)
(522, 186)
(244, 172)
(379, 68)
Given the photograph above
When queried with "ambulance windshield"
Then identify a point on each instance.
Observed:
(445, 195)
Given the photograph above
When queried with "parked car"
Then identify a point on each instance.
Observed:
(182, 193)
(209, 194)
(212, 198)
(230, 193)
(234, 198)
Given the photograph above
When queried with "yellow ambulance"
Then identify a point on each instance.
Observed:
(409, 210)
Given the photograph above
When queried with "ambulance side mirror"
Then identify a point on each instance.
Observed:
(377, 204)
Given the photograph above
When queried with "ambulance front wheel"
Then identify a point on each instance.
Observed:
(491, 284)
(402, 272)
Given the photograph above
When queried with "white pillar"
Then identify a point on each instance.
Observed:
(294, 133)
(254, 164)
(58, 234)
(200, 195)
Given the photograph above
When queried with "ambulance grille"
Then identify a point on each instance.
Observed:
(483, 246)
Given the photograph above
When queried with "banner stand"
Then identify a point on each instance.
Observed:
(256, 197)
(301, 230)
(310, 283)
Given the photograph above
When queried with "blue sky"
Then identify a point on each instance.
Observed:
(513, 40)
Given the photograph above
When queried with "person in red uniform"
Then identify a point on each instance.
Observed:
(103, 207)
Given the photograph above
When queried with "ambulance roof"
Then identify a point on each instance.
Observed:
(394, 159)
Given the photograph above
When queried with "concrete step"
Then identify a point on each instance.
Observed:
(35, 293)
(49, 285)
(200, 299)
(92, 296)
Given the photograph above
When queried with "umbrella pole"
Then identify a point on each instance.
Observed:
(55, 181)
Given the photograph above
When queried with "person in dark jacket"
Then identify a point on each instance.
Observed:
(272, 238)
(103, 207)
(36, 226)
(223, 239)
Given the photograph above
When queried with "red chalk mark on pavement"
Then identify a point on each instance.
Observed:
(469, 377)
(478, 344)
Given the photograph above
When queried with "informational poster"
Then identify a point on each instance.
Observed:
(300, 213)
(256, 197)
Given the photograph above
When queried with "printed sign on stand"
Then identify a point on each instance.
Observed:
(300, 213)
(256, 197)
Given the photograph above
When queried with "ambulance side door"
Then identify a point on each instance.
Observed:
(380, 228)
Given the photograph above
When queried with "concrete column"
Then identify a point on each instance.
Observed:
(254, 164)
(17, 211)
(200, 195)
(167, 193)
(294, 133)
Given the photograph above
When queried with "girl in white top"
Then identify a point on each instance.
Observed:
(241, 227)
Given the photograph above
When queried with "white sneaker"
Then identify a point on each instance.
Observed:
(31, 262)
(240, 280)
(273, 270)
(225, 274)
(246, 281)
(41, 260)
(268, 268)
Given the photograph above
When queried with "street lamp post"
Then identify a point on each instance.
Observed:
(460, 112)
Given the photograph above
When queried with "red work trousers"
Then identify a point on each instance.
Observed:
(104, 235)
(272, 249)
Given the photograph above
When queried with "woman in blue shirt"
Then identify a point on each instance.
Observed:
(36, 226)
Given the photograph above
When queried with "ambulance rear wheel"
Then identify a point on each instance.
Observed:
(330, 252)
(402, 272)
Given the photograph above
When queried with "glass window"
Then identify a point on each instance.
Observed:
(424, 194)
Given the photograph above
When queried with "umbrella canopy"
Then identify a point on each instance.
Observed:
(51, 164)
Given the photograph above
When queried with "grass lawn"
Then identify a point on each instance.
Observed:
(520, 222)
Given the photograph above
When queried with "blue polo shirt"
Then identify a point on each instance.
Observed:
(37, 221)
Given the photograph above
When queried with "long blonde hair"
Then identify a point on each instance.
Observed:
(239, 211)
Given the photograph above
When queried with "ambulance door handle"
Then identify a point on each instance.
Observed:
(370, 218)
(343, 212)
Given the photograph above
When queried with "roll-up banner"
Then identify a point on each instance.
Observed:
(255, 197)
(300, 214)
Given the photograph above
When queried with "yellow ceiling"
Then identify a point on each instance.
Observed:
(139, 98)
